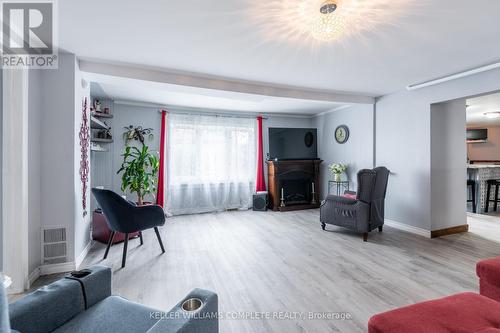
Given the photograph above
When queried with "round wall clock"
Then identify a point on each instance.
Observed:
(342, 134)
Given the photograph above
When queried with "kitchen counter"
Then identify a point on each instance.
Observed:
(482, 173)
(482, 166)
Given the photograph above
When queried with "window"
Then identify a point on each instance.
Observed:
(211, 162)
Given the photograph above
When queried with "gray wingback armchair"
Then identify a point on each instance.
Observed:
(364, 213)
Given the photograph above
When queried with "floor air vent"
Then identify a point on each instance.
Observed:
(54, 246)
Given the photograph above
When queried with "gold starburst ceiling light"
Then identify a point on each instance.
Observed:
(329, 23)
(326, 20)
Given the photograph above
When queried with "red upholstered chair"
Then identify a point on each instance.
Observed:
(462, 313)
(488, 272)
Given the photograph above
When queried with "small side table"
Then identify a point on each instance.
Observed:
(340, 187)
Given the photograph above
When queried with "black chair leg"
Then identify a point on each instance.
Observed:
(159, 239)
(474, 208)
(365, 237)
(124, 258)
(110, 241)
(323, 226)
(496, 198)
(380, 228)
(140, 237)
(488, 193)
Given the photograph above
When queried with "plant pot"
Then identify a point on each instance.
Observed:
(144, 203)
(101, 232)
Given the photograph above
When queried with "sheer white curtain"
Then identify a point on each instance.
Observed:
(211, 163)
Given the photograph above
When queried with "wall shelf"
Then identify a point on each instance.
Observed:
(100, 140)
(98, 149)
(101, 114)
(97, 124)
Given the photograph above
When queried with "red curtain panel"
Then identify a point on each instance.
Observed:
(161, 173)
(261, 183)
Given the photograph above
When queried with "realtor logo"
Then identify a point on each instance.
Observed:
(28, 34)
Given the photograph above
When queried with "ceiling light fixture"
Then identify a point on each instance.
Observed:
(328, 7)
(340, 21)
(329, 24)
(492, 115)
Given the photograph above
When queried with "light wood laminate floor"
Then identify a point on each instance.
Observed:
(272, 262)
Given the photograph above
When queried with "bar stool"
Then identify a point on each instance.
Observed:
(496, 183)
(472, 184)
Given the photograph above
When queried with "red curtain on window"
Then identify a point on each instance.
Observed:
(160, 200)
(261, 183)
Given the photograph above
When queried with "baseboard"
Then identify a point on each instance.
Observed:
(33, 276)
(450, 231)
(57, 268)
(82, 255)
(408, 228)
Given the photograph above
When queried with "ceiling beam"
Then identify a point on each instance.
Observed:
(218, 83)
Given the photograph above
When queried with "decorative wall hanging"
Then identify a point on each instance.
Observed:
(84, 157)
(137, 133)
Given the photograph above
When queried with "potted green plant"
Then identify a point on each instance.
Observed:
(337, 169)
(140, 170)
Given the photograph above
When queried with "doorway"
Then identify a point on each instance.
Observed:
(483, 153)
(465, 159)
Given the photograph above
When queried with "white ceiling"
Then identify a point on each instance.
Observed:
(406, 42)
(130, 90)
(477, 107)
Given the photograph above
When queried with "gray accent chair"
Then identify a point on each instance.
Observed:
(82, 305)
(125, 217)
(366, 212)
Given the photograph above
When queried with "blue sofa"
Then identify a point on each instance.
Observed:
(79, 305)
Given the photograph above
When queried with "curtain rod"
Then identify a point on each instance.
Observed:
(209, 114)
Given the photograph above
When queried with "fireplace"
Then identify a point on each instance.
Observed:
(297, 188)
(293, 185)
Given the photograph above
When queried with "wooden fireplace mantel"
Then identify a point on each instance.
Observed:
(278, 172)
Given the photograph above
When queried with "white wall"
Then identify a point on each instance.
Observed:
(15, 178)
(34, 176)
(55, 189)
(403, 143)
(44, 187)
(487, 151)
(81, 221)
(53, 193)
(106, 164)
(57, 146)
(357, 152)
(448, 164)
(1, 167)
(126, 115)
